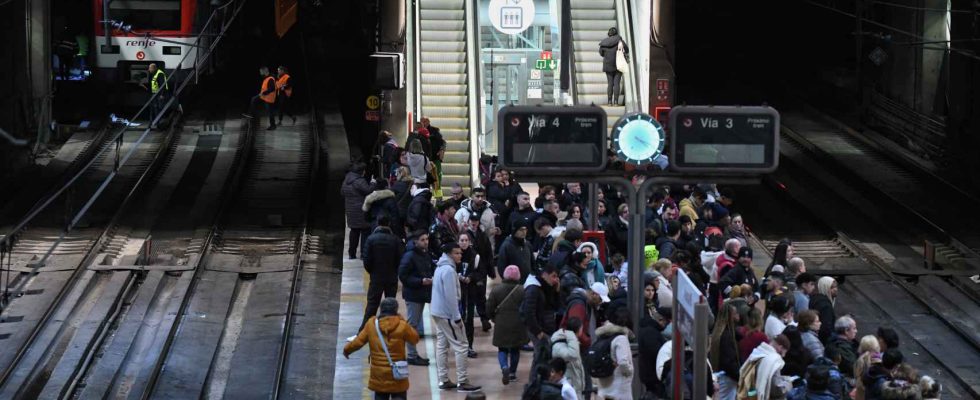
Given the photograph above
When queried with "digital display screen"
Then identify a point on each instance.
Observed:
(552, 137)
(702, 153)
(725, 138)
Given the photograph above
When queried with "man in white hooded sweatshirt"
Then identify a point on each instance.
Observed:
(448, 321)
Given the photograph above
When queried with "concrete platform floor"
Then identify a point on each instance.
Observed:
(351, 375)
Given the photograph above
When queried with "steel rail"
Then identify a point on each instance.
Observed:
(301, 240)
(91, 253)
(851, 177)
(5, 240)
(231, 186)
(873, 260)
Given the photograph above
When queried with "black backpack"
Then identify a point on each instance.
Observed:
(600, 357)
(541, 390)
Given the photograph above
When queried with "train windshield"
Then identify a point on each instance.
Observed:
(152, 15)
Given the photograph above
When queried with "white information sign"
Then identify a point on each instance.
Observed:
(511, 16)
(686, 297)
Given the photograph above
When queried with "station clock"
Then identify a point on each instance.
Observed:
(638, 138)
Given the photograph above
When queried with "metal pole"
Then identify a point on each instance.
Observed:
(677, 347)
(701, 316)
(593, 208)
(106, 28)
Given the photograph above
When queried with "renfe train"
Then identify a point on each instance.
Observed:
(145, 31)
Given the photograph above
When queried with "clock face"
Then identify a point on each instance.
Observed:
(638, 138)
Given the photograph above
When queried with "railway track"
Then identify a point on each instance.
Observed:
(51, 267)
(885, 283)
(231, 337)
(920, 195)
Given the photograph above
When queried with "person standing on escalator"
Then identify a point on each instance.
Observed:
(614, 57)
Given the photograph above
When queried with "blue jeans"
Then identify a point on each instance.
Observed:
(514, 355)
(415, 320)
(727, 388)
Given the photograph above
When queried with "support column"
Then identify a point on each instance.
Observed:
(39, 62)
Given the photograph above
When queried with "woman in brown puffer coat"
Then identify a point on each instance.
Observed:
(396, 331)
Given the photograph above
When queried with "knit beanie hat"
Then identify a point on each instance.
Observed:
(512, 272)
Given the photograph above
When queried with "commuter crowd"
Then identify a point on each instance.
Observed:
(528, 270)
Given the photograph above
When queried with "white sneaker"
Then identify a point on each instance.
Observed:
(351, 338)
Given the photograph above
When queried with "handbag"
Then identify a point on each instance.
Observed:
(399, 369)
(506, 298)
(621, 64)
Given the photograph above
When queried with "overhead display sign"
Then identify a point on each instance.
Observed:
(556, 139)
(511, 16)
(724, 139)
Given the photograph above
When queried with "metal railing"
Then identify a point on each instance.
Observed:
(473, 85)
(624, 19)
(7, 240)
(415, 60)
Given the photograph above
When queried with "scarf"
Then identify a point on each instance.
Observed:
(770, 362)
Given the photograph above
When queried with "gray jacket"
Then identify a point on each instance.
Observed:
(445, 290)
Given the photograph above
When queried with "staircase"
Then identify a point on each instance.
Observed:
(443, 87)
(591, 20)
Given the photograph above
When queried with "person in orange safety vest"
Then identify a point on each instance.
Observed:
(285, 93)
(266, 97)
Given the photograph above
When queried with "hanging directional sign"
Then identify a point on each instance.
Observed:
(724, 139)
(555, 139)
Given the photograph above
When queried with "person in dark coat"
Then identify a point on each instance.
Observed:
(516, 251)
(724, 349)
(823, 303)
(670, 242)
(354, 189)
(614, 78)
(617, 232)
(444, 230)
(421, 213)
(524, 211)
(382, 202)
(845, 333)
(472, 287)
(649, 341)
(436, 141)
(382, 255)
(570, 275)
(741, 274)
(797, 356)
(504, 308)
(415, 272)
(572, 195)
(538, 311)
(477, 295)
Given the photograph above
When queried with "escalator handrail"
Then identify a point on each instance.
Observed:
(417, 58)
(473, 87)
(624, 18)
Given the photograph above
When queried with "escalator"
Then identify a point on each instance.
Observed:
(590, 21)
(444, 88)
